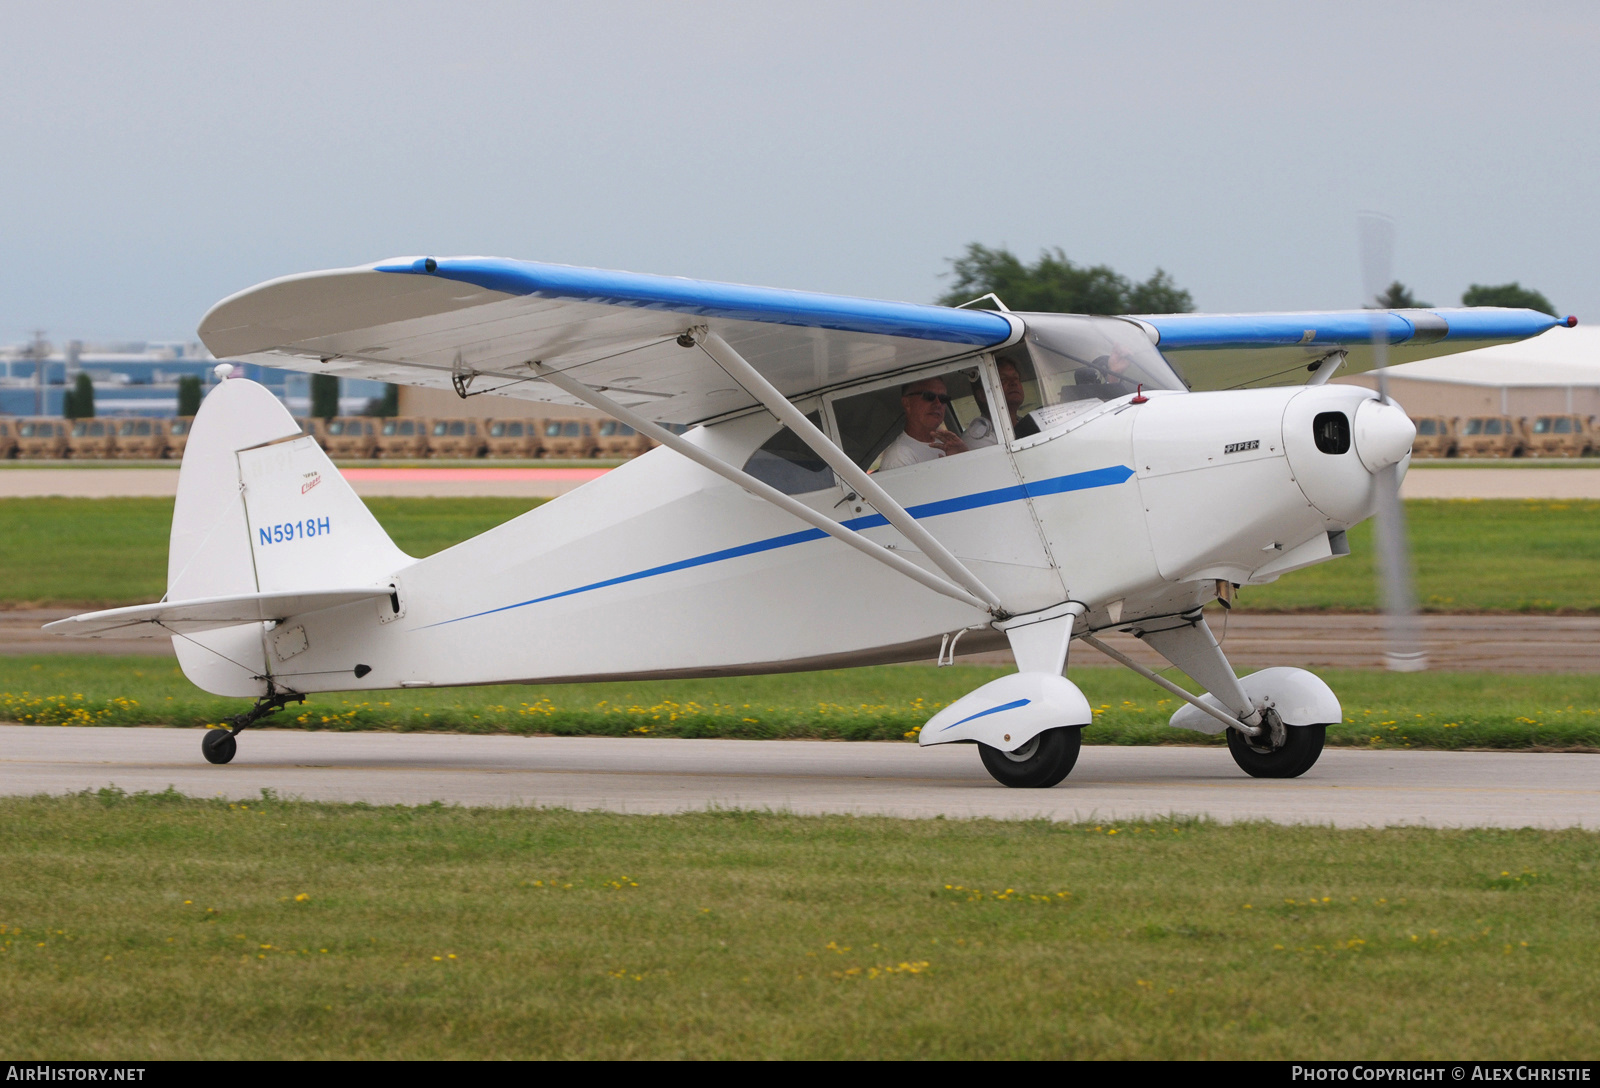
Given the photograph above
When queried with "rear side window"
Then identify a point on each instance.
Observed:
(569, 430)
(1563, 425)
(789, 465)
(457, 429)
(1491, 426)
(1427, 427)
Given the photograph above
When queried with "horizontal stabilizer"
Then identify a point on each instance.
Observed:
(208, 613)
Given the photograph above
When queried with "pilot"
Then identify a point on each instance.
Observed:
(982, 431)
(1108, 377)
(926, 438)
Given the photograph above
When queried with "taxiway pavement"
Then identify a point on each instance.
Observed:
(1347, 788)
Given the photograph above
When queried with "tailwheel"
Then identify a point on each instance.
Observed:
(218, 746)
(1278, 751)
(1039, 764)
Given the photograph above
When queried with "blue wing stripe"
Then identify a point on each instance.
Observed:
(1077, 481)
(702, 298)
(1181, 331)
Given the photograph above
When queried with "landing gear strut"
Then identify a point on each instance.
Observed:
(219, 745)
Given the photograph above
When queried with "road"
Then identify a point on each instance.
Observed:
(1347, 788)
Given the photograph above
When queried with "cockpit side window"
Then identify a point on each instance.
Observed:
(1070, 363)
(790, 465)
(870, 423)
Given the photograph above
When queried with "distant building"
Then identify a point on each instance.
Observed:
(141, 378)
(1557, 372)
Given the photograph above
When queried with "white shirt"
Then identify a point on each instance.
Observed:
(906, 450)
(980, 433)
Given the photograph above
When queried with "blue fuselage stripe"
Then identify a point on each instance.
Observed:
(992, 710)
(1077, 481)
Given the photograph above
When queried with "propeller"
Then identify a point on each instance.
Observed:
(1403, 632)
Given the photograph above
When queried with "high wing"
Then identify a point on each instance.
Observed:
(479, 323)
(486, 325)
(1246, 351)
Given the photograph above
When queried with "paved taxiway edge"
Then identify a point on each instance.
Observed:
(1347, 788)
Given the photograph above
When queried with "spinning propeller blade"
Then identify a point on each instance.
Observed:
(1403, 651)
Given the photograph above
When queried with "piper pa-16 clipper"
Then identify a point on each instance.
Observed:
(850, 482)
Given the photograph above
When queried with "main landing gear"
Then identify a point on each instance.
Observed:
(1041, 763)
(1277, 751)
(219, 744)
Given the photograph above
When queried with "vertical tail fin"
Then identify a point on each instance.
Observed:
(261, 509)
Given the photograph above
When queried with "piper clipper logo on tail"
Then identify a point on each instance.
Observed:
(312, 479)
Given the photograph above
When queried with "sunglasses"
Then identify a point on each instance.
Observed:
(931, 398)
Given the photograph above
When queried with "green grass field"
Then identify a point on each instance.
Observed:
(108, 552)
(1382, 710)
(1471, 556)
(162, 927)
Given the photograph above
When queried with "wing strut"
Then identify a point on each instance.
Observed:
(756, 487)
(850, 472)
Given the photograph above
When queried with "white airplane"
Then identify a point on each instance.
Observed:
(864, 482)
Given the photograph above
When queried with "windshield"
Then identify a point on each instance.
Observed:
(1073, 363)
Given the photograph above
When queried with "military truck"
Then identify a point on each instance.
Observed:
(1560, 436)
(569, 438)
(178, 435)
(403, 436)
(1492, 436)
(620, 440)
(1436, 437)
(456, 438)
(353, 438)
(92, 439)
(142, 439)
(42, 437)
(513, 437)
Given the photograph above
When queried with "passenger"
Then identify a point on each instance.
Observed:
(982, 431)
(926, 438)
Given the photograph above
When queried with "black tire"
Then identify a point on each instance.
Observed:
(218, 746)
(1301, 747)
(1047, 759)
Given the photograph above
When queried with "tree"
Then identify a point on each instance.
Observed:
(1507, 294)
(188, 395)
(324, 396)
(1397, 296)
(78, 402)
(1053, 284)
(386, 405)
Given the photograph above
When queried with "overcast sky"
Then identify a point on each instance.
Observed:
(158, 157)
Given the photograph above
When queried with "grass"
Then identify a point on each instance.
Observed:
(1471, 555)
(1382, 710)
(160, 927)
(108, 552)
